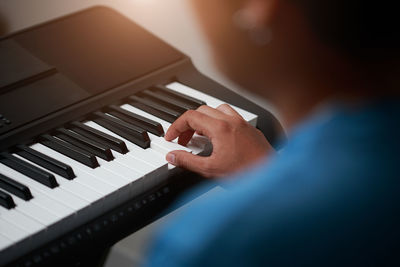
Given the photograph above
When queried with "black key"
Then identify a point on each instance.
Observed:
(164, 112)
(153, 111)
(185, 98)
(69, 150)
(85, 143)
(6, 200)
(29, 170)
(153, 98)
(167, 101)
(135, 119)
(46, 162)
(130, 132)
(100, 137)
(15, 187)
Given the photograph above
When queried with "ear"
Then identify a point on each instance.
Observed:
(260, 12)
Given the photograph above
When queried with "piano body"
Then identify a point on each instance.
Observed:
(84, 102)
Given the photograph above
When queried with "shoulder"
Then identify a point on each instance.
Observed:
(322, 200)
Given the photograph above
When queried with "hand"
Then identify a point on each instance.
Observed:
(236, 144)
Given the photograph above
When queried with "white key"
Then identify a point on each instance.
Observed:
(59, 193)
(134, 150)
(82, 177)
(140, 112)
(74, 187)
(113, 179)
(195, 147)
(197, 144)
(154, 170)
(21, 220)
(11, 231)
(130, 160)
(113, 168)
(114, 182)
(166, 146)
(37, 212)
(82, 191)
(149, 155)
(40, 196)
(139, 166)
(211, 101)
(132, 178)
(4, 241)
(128, 174)
(160, 143)
(105, 181)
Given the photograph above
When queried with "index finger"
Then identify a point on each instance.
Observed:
(227, 109)
(191, 120)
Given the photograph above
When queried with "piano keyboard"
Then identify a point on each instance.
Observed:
(115, 154)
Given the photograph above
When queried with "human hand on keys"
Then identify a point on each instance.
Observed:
(236, 143)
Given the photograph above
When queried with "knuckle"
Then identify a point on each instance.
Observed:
(189, 115)
(202, 107)
(223, 106)
(222, 126)
(240, 122)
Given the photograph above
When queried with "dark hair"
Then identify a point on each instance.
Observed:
(366, 30)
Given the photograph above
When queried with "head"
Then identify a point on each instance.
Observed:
(3, 26)
(289, 50)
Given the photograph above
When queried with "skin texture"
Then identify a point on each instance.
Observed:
(296, 72)
(230, 135)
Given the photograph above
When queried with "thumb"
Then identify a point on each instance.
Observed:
(187, 160)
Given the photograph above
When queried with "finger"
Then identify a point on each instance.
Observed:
(185, 137)
(228, 110)
(187, 161)
(212, 112)
(191, 121)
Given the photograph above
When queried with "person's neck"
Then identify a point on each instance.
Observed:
(294, 110)
(300, 98)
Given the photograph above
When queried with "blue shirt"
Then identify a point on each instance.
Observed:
(331, 198)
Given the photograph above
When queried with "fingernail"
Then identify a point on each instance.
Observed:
(171, 158)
